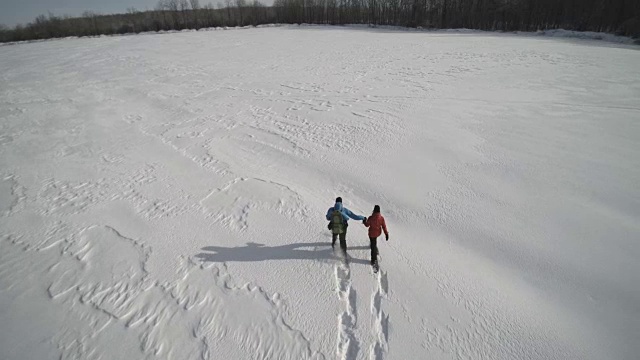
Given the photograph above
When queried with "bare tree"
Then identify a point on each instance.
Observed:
(228, 4)
(220, 6)
(241, 4)
(256, 12)
(195, 8)
(161, 8)
(184, 6)
(172, 6)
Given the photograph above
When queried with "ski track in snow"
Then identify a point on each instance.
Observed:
(157, 206)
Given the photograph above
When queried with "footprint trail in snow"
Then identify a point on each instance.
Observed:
(348, 345)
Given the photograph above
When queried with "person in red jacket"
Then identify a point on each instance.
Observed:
(376, 225)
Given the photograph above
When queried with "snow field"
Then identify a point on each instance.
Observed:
(164, 196)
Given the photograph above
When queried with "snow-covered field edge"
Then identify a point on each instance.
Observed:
(555, 33)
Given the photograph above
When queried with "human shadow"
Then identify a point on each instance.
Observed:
(317, 251)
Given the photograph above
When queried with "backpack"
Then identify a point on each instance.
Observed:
(337, 222)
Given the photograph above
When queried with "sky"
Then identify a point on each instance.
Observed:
(13, 12)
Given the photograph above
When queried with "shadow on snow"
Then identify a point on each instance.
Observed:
(259, 252)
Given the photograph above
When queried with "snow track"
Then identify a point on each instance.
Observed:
(348, 345)
(381, 320)
(163, 197)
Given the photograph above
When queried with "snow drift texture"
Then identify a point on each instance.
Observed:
(164, 196)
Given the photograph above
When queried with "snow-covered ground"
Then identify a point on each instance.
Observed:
(164, 196)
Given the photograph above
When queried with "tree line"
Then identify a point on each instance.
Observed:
(167, 15)
(614, 16)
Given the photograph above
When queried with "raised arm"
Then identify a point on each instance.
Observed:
(353, 216)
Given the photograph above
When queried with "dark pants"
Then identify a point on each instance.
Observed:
(374, 249)
(343, 240)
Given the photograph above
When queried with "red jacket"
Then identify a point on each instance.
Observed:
(376, 224)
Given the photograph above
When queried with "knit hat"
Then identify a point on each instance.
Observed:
(376, 209)
(338, 199)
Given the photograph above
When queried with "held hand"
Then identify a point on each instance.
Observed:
(364, 221)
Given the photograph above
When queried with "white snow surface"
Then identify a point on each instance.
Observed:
(164, 197)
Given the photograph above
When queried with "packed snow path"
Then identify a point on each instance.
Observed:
(163, 196)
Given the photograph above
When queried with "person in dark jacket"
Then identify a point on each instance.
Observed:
(376, 225)
(338, 217)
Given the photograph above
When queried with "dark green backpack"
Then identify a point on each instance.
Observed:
(337, 222)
